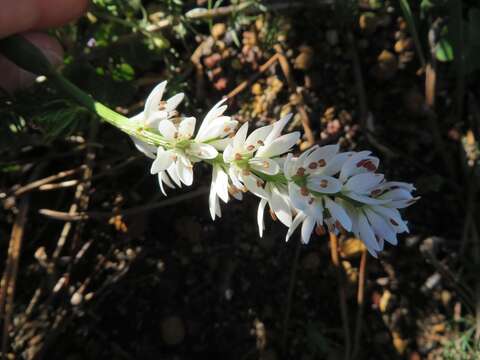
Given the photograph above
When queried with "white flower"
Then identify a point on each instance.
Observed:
(308, 226)
(375, 224)
(183, 150)
(279, 202)
(218, 189)
(256, 153)
(311, 175)
(216, 127)
(154, 111)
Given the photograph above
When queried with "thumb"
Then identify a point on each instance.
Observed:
(13, 78)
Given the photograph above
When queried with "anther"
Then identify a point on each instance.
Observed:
(301, 171)
(260, 142)
(250, 147)
(238, 157)
(313, 165)
(320, 230)
(393, 222)
(322, 163)
(266, 164)
(272, 215)
(323, 183)
(304, 191)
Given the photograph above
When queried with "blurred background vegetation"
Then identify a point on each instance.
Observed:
(97, 264)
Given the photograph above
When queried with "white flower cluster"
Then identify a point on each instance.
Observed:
(322, 189)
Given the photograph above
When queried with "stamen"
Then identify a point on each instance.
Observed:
(260, 142)
(226, 129)
(301, 171)
(250, 147)
(238, 157)
(272, 215)
(322, 162)
(313, 165)
(304, 191)
(323, 183)
(310, 202)
(376, 192)
(259, 183)
(338, 225)
(361, 163)
(320, 230)
(266, 164)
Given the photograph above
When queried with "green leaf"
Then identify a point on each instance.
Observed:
(444, 51)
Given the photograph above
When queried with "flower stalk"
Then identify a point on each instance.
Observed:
(322, 189)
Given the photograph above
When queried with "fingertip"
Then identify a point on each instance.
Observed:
(14, 78)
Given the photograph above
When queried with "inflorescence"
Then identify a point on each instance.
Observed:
(322, 189)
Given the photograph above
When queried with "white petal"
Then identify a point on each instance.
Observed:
(260, 211)
(219, 128)
(160, 182)
(221, 183)
(315, 209)
(323, 154)
(365, 199)
(167, 129)
(240, 137)
(381, 227)
(393, 217)
(172, 171)
(338, 213)
(397, 194)
(163, 160)
(233, 174)
(186, 128)
(213, 203)
(391, 185)
(185, 170)
(266, 166)
(336, 163)
(323, 184)
(367, 235)
(257, 137)
(153, 100)
(221, 144)
(290, 166)
(228, 153)
(277, 129)
(202, 151)
(279, 146)
(363, 183)
(298, 200)
(252, 183)
(280, 207)
(147, 149)
(354, 165)
(296, 221)
(307, 228)
(217, 110)
(174, 101)
(166, 179)
(155, 118)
